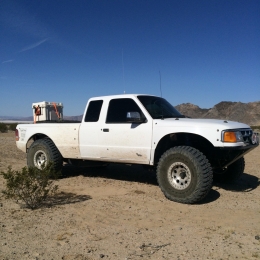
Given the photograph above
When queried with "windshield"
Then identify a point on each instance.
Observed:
(159, 107)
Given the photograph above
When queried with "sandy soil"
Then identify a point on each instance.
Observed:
(120, 213)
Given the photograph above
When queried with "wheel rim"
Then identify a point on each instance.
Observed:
(179, 175)
(40, 159)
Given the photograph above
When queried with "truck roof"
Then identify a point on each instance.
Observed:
(120, 96)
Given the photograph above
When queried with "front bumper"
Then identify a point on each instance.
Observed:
(237, 152)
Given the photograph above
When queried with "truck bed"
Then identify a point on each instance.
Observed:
(58, 121)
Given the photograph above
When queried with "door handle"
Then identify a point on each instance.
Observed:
(105, 129)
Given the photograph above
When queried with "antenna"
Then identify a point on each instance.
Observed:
(160, 82)
(123, 69)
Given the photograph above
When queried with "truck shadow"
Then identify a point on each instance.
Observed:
(245, 184)
(137, 173)
(133, 173)
(213, 195)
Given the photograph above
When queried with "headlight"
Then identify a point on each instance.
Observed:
(232, 137)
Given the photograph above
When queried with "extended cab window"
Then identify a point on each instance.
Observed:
(93, 111)
(119, 108)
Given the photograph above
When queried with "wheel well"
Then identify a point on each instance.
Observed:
(182, 139)
(34, 138)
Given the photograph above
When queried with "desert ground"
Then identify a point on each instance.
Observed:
(119, 212)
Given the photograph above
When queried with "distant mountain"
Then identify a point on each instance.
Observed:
(191, 110)
(248, 113)
(73, 118)
(15, 118)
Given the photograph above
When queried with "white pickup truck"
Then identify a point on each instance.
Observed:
(147, 130)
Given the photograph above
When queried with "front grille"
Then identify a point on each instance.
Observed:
(247, 134)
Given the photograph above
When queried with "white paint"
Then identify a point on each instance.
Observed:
(65, 136)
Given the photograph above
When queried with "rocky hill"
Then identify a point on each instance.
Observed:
(248, 113)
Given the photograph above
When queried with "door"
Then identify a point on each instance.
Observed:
(90, 130)
(122, 140)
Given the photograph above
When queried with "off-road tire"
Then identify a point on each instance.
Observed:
(44, 151)
(184, 174)
(231, 173)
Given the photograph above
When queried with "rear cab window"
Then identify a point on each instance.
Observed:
(93, 111)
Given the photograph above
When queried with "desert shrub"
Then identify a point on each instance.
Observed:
(255, 127)
(31, 185)
(12, 127)
(3, 128)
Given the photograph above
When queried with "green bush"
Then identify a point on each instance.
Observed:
(12, 126)
(31, 186)
(3, 128)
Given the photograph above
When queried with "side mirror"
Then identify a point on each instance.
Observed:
(134, 117)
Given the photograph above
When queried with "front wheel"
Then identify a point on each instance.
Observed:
(43, 152)
(184, 174)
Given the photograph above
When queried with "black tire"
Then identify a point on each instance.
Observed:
(44, 151)
(184, 174)
(231, 173)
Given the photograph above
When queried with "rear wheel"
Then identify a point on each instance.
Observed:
(231, 173)
(184, 174)
(42, 152)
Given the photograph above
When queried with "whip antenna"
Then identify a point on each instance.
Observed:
(123, 69)
(160, 83)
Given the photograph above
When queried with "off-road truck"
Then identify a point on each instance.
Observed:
(143, 129)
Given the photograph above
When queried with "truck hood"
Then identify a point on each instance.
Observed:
(203, 123)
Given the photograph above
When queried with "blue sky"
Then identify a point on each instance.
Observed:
(206, 51)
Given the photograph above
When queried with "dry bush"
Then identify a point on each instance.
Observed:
(12, 126)
(3, 128)
(31, 185)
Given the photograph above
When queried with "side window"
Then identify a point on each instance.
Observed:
(118, 109)
(93, 111)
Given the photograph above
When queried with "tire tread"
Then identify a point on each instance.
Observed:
(56, 157)
(201, 164)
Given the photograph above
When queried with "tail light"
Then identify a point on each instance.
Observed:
(16, 135)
